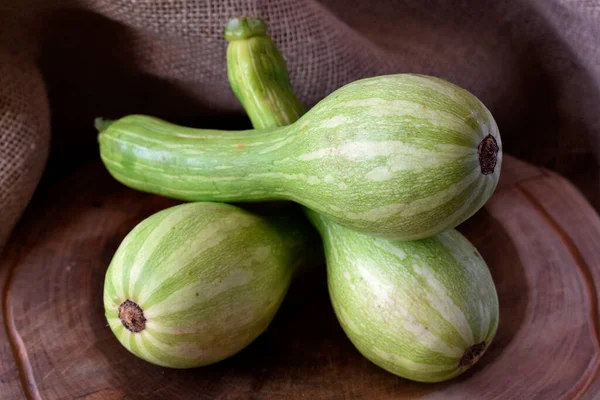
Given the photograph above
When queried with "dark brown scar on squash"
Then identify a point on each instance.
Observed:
(132, 316)
(471, 355)
(488, 154)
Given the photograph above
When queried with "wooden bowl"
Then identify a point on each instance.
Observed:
(539, 236)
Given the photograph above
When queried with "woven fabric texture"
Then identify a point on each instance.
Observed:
(534, 63)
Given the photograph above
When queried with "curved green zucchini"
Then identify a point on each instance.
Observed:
(425, 310)
(387, 275)
(258, 74)
(399, 156)
(196, 283)
(371, 279)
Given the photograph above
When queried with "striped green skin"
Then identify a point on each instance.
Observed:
(379, 271)
(209, 278)
(393, 156)
(258, 74)
(411, 307)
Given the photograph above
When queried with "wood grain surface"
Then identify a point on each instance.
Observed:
(539, 236)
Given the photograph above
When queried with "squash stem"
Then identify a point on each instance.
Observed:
(258, 75)
(102, 124)
(244, 28)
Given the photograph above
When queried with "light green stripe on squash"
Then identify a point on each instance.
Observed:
(386, 156)
(412, 307)
(133, 345)
(132, 255)
(110, 293)
(209, 278)
(165, 356)
(170, 256)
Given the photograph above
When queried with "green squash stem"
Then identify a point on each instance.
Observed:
(258, 74)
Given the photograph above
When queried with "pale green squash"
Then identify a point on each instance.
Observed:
(196, 283)
(425, 310)
(400, 156)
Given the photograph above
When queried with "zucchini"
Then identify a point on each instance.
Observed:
(400, 156)
(425, 310)
(196, 283)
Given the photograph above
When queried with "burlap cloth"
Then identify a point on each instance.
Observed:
(534, 63)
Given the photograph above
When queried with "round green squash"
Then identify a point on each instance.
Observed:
(425, 310)
(399, 156)
(196, 283)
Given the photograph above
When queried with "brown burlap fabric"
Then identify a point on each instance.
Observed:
(24, 137)
(534, 63)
